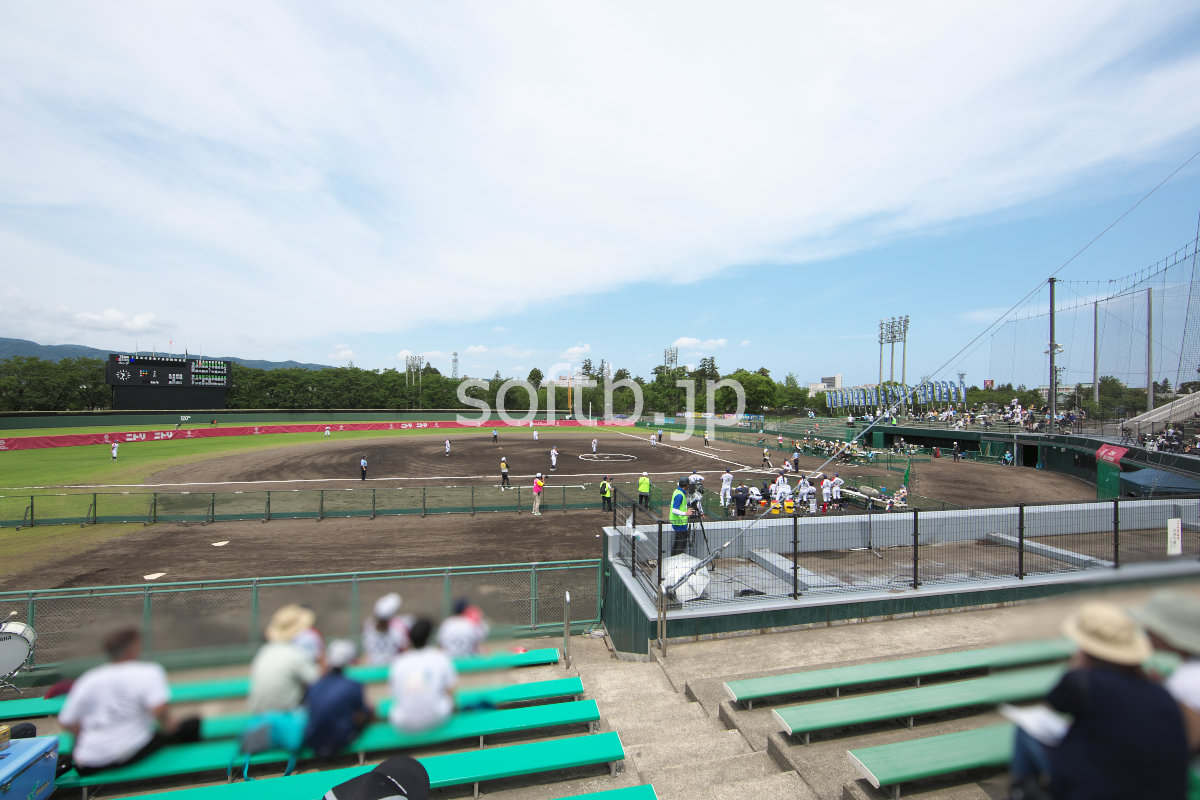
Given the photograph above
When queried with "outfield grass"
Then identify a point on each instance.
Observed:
(66, 467)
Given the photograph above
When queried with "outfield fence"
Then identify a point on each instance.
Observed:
(29, 510)
(225, 618)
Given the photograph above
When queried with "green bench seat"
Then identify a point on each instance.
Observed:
(214, 756)
(917, 759)
(1009, 655)
(933, 756)
(451, 769)
(1006, 687)
(226, 688)
(230, 725)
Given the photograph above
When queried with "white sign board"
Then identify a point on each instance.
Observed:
(1175, 537)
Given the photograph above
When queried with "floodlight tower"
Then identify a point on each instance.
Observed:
(454, 365)
(670, 358)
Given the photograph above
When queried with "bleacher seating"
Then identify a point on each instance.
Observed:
(451, 769)
(230, 725)
(226, 688)
(837, 678)
(1005, 687)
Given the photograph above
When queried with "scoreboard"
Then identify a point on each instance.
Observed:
(167, 382)
(166, 371)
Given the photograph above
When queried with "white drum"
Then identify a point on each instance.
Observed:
(16, 643)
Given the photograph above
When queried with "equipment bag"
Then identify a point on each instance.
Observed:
(271, 730)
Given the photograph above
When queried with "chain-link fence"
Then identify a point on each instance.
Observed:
(780, 555)
(97, 507)
(229, 615)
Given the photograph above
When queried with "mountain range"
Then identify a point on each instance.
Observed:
(56, 352)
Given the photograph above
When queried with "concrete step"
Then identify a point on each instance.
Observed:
(668, 750)
(663, 710)
(781, 786)
(730, 769)
(651, 730)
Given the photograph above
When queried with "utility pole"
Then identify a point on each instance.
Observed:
(1053, 350)
(1096, 352)
(1149, 348)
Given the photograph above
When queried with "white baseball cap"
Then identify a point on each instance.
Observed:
(387, 606)
(538, 475)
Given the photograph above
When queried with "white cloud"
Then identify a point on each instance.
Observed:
(476, 349)
(576, 353)
(341, 352)
(745, 342)
(372, 158)
(692, 344)
(499, 329)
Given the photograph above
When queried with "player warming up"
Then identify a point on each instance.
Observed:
(504, 484)
(539, 486)
(447, 448)
(362, 467)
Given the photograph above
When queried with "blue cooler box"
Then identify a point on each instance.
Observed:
(27, 768)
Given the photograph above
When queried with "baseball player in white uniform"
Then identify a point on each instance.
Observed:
(838, 483)
(447, 447)
(553, 459)
(328, 432)
(594, 444)
(534, 433)
(826, 493)
(726, 487)
(115, 446)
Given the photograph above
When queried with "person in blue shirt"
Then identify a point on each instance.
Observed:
(1127, 736)
(337, 708)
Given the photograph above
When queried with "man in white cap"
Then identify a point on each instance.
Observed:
(1172, 618)
(385, 633)
(554, 459)
(281, 670)
(1127, 737)
(337, 707)
(644, 490)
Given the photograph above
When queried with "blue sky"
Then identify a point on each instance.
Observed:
(532, 183)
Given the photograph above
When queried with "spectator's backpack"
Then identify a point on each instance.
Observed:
(271, 730)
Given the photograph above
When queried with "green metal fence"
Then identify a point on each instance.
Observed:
(29, 510)
(222, 620)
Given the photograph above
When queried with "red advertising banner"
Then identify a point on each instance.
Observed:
(1111, 453)
(82, 439)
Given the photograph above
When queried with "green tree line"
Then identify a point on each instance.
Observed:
(77, 384)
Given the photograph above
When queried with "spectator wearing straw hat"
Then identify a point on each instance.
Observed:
(1172, 619)
(1127, 738)
(282, 671)
(385, 632)
(337, 707)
